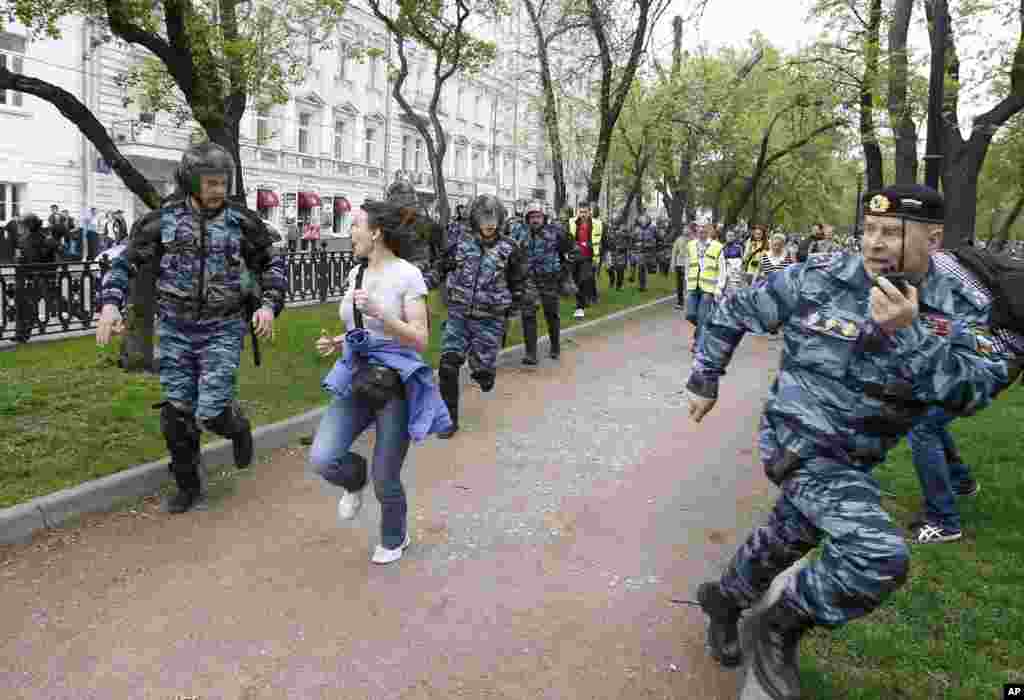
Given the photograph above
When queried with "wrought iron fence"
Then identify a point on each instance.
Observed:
(46, 299)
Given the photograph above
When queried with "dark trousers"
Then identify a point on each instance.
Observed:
(618, 275)
(642, 281)
(585, 283)
(681, 286)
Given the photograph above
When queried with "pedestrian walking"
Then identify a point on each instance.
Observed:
(775, 259)
(859, 366)
(485, 278)
(678, 262)
(209, 255)
(584, 229)
(645, 242)
(381, 379)
(705, 264)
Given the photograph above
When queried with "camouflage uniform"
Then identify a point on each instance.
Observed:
(844, 396)
(484, 281)
(619, 244)
(543, 256)
(205, 266)
(645, 243)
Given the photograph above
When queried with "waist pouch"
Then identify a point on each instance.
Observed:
(376, 385)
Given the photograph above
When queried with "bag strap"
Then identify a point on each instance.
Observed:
(357, 315)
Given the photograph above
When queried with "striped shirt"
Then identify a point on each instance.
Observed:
(770, 264)
(1005, 340)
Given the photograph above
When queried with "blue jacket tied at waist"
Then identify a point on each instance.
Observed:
(427, 412)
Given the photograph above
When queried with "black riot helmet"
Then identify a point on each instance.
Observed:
(486, 209)
(204, 159)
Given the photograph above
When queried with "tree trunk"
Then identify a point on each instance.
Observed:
(904, 129)
(960, 187)
(550, 108)
(868, 132)
(137, 346)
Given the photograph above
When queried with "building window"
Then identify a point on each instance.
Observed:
(370, 151)
(10, 201)
(263, 126)
(304, 121)
(477, 164)
(460, 161)
(12, 48)
(421, 81)
(373, 72)
(419, 155)
(406, 151)
(459, 96)
(343, 60)
(478, 110)
(339, 140)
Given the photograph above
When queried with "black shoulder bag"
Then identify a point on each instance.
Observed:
(374, 384)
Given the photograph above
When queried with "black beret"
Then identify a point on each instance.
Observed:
(914, 202)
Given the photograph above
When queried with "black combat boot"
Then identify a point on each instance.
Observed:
(554, 335)
(449, 387)
(530, 340)
(723, 630)
(182, 436)
(775, 642)
(241, 442)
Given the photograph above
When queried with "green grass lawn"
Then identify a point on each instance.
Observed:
(955, 631)
(68, 414)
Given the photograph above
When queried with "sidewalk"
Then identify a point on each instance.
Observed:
(549, 537)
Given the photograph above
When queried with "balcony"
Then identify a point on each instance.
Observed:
(137, 138)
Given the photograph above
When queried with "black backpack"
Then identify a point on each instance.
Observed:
(1004, 278)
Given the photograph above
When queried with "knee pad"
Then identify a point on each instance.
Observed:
(229, 423)
(178, 427)
(448, 369)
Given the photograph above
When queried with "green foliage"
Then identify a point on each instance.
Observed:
(716, 109)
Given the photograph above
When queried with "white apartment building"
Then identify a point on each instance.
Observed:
(340, 138)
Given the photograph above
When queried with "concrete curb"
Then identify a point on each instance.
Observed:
(18, 523)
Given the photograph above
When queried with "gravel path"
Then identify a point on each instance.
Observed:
(550, 538)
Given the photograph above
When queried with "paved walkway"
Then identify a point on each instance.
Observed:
(549, 540)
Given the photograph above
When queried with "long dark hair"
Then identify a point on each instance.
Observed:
(397, 226)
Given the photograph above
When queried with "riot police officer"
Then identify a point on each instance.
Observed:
(485, 278)
(544, 249)
(210, 253)
(865, 355)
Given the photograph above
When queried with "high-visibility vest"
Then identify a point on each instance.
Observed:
(703, 271)
(752, 257)
(596, 231)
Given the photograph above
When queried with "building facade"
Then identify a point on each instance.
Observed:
(340, 138)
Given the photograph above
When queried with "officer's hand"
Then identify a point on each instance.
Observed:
(263, 322)
(110, 323)
(890, 309)
(699, 406)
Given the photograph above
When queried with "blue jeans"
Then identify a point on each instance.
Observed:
(938, 466)
(345, 420)
(699, 305)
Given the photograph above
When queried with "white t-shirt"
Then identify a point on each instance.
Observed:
(392, 286)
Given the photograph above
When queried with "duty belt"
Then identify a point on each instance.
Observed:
(190, 308)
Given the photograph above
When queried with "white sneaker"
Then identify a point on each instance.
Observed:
(349, 505)
(579, 314)
(383, 555)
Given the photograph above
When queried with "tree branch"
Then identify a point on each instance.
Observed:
(79, 115)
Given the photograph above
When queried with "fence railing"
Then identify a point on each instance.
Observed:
(47, 299)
